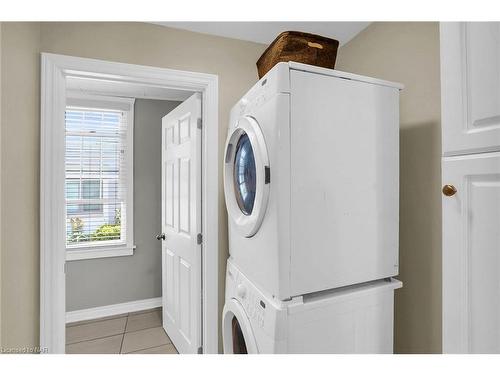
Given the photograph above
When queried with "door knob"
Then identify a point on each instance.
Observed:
(160, 237)
(449, 190)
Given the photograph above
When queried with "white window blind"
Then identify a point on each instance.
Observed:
(96, 177)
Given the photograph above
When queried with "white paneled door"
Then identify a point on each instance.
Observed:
(470, 85)
(181, 225)
(471, 254)
(470, 81)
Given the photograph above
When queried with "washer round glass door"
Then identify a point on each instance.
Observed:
(237, 333)
(246, 176)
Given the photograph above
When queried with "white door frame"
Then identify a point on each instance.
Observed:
(54, 70)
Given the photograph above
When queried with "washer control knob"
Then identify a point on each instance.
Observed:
(241, 291)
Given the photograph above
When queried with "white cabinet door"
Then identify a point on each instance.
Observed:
(470, 85)
(181, 223)
(471, 254)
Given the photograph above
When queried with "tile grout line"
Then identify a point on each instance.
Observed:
(111, 317)
(121, 316)
(97, 338)
(143, 329)
(102, 337)
(97, 320)
(124, 331)
(152, 347)
(114, 334)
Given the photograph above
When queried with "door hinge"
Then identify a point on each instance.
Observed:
(65, 267)
(199, 239)
(198, 123)
(200, 350)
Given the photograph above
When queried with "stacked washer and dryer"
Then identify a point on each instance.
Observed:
(311, 180)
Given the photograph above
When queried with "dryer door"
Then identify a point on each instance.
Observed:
(237, 334)
(246, 176)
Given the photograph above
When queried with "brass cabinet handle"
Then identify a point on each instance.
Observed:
(449, 190)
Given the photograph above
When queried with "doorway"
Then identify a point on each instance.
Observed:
(125, 81)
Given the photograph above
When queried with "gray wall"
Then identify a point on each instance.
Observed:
(106, 281)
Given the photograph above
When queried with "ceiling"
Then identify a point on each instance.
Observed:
(265, 32)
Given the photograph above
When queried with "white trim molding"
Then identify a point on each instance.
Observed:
(110, 310)
(99, 252)
(55, 69)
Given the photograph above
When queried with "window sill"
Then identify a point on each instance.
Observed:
(99, 252)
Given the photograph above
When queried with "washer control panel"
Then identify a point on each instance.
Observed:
(241, 291)
(277, 80)
(253, 307)
(252, 302)
(246, 105)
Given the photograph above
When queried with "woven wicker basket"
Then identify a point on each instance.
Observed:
(299, 47)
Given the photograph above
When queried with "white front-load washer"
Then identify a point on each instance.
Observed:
(311, 180)
(356, 319)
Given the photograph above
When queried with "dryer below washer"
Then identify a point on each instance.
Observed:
(356, 319)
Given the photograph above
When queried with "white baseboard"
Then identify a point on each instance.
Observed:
(119, 308)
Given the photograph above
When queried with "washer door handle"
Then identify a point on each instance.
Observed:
(267, 175)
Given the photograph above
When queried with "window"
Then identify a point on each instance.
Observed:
(98, 176)
(79, 189)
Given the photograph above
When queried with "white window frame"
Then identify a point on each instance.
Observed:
(54, 71)
(104, 250)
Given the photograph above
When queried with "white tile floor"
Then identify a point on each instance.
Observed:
(135, 333)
